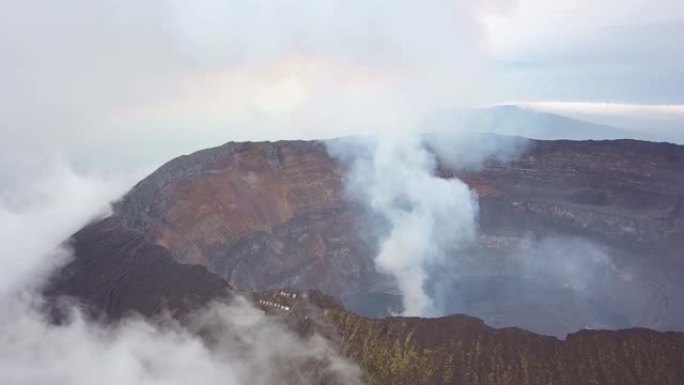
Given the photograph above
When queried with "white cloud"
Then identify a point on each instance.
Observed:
(40, 211)
(615, 51)
(95, 80)
(249, 348)
(535, 25)
(123, 84)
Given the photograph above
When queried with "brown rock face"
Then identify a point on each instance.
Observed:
(261, 215)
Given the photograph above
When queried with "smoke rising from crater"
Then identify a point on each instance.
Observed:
(432, 220)
(426, 214)
(430, 245)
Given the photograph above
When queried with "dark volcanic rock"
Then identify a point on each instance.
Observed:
(623, 195)
(459, 349)
(463, 350)
(115, 271)
(620, 190)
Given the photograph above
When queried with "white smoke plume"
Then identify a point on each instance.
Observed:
(549, 285)
(427, 214)
(431, 219)
(383, 68)
(249, 347)
(44, 204)
(430, 69)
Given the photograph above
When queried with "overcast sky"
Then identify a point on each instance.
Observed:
(123, 83)
(600, 51)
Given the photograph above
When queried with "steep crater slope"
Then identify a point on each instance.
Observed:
(261, 215)
(272, 215)
(116, 272)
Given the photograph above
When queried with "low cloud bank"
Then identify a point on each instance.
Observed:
(247, 347)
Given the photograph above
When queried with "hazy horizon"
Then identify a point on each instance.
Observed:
(125, 85)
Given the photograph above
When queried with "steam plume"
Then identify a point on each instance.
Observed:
(428, 216)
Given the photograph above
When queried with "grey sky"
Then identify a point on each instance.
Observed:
(128, 83)
(626, 64)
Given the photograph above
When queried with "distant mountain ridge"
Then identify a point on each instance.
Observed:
(525, 122)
